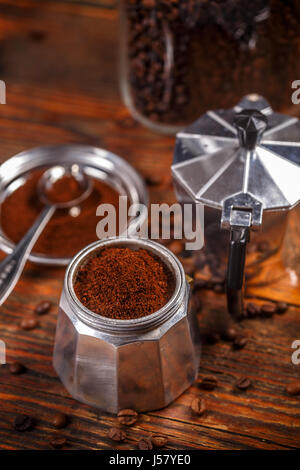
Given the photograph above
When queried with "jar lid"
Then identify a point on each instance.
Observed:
(99, 164)
(246, 157)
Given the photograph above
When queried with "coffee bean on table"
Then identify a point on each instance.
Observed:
(127, 417)
(43, 307)
(176, 247)
(198, 406)
(281, 307)
(263, 246)
(293, 388)
(268, 309)
(240, 342)
(16, 368)
(58, 442)
(230, 334)
(153, 180)
(209, 382)
(253, 309)
(60, 420)
(28, 323)
(117, 434)
(23, 423)
(159, 441)
(243, 383)
(212, 338)
(145, 444)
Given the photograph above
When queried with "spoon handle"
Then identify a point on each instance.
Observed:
(12, 266)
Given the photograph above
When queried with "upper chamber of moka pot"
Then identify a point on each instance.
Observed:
(243, 165)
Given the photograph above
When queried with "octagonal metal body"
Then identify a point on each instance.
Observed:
(210, 168)
(142, 364)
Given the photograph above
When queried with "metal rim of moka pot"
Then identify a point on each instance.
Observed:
(95, 162)
(131, 326)
(243, 161)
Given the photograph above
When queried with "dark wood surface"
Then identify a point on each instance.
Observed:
(59, 61)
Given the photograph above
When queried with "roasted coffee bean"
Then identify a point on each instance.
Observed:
(212, 338)
(117, 434)
(263, 246)
(176, 247)
(127, 417)
(28, 323)
(154, 179)
(145, 444)
(281, 307)
(243, 383)
(37, 35)
(293, 388)
(60, 420)
(58, 442)
(268, 309)
(159, 441)
(23, 423)
(240, 342)
(198, 406)
(209, 382)
(253, 309)
(43, 307)
(230, 334)
(16, 368)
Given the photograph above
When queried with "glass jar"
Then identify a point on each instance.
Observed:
(182, 57)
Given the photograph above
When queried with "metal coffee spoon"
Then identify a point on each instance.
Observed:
(12, 266)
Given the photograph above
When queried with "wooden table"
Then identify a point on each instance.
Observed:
(59, 62)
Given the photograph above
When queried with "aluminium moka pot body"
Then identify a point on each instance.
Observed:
(142, 364)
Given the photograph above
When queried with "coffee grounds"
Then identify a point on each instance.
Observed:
(123, 284)
(65, 189)
(64, 235)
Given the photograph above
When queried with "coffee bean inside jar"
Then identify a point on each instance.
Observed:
(182, 57)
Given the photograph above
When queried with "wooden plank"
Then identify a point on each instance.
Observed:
(59, 61)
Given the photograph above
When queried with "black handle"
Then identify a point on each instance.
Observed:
(250, 125)
(239, 237)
